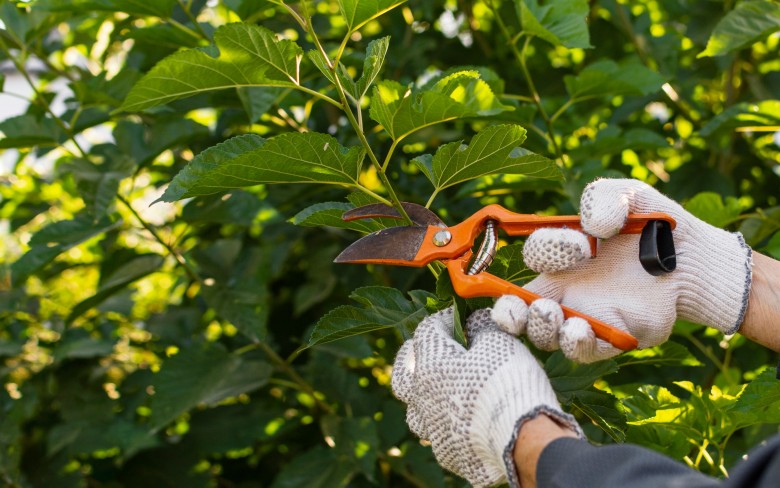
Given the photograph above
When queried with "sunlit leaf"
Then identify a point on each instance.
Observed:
(245, 55)
(762, 114)
(381, 307)
(608, 78)
(603, 409)
(667, 354)
(559, 22)
(202, 374)
(357, 12)
(749, 22)
(372, 65)
(402, 110)
(248, 160)
(709, 207)
(495, 149)
(56, 238)
(159, 8)
(569, 378)
(761, 397)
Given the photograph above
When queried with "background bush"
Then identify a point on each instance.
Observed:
(212, 342)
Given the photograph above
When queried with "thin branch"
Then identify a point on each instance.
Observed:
(173, 252)
(193, 19)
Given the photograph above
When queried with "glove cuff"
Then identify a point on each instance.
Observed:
(509, 460)
(718, 279)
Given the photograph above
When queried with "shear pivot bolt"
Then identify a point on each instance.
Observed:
(442, 238)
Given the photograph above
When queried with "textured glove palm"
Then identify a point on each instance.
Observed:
(470, 403)
(710, 285)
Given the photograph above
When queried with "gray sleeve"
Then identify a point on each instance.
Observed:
(572, 462)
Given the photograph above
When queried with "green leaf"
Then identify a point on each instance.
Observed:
(667, 354)
(761, 397)
(118, 279)
(372, 65)
(604, 410)
(357, 13)
(773, 246)
(381, 307)
(320, 467)
(356, 441)
(569, 378)
(245, 55)
(760, 227)
(56, 238)
(144, 143)
(402, 111)
(245, 307)
(98, 183)
(247, 160)
(257, 100)
(28, 131)
(159, 8)
(493, 150)
(608, 78)
(202, 374)
(345, 78)
(237, 208)
(761, 114)
(748, 23)
(667, 441)
(559, 22)
(709, 207)
(508, 264)
(329, 214)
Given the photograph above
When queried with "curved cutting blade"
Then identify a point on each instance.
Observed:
(396, 245)
(420, 215)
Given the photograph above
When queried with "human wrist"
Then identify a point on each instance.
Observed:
(532, 438)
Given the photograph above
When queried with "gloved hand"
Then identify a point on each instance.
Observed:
(710, 286)
(470, 404)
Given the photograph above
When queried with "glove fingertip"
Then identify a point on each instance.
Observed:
(579, 343)
(511, 314)
(549, 250)
(545, 318)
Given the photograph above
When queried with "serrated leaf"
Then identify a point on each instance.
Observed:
(748, 23)
(372, 65)
(382, 307)
(202, 374)
(329, 214)
(402, 111)
(247, 160)
(559, 22)
(56, 238)
(709, 207)
(344, 78)
(608, 78)
(159, 8)
(245, 55)
(569, 378)
(493, 150)
(257, 100)
(117, 280)
(667, 354)
(761, 397)
(28, 131)
(356, 13)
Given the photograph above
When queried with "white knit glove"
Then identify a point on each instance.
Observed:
(470, 404)
(710, 286)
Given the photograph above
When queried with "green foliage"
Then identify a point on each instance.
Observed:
(208, 339)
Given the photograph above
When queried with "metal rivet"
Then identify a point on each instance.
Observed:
(442, 238)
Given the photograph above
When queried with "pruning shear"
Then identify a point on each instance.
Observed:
(430, 239)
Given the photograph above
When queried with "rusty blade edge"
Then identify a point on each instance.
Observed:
(420, 215)
(396, 244)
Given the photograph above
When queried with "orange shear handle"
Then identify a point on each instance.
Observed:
(487, 285)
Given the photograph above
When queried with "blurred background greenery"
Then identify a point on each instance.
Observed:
(165, 345)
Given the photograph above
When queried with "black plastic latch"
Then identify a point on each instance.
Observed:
(656, 248)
